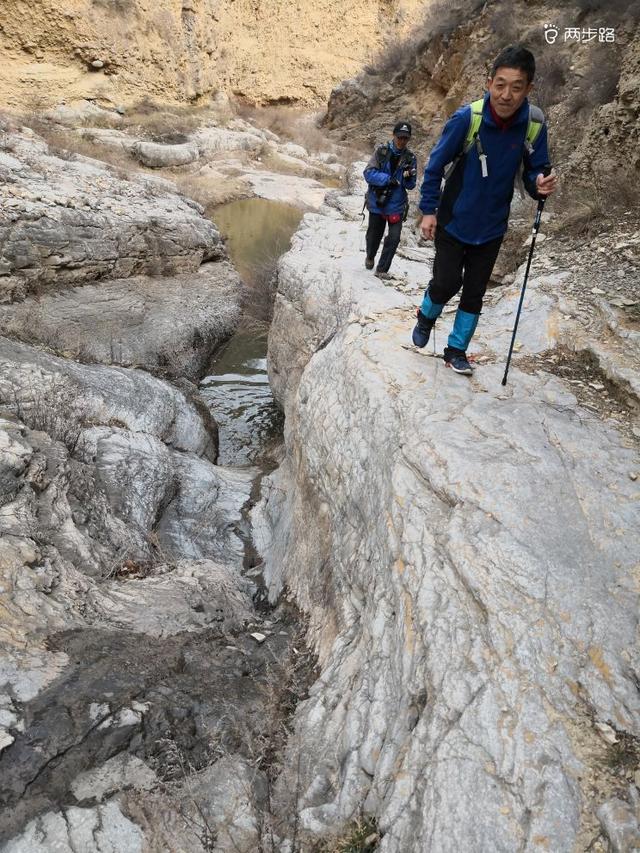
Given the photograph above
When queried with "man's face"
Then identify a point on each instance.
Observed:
(507, 90)
(400, 141)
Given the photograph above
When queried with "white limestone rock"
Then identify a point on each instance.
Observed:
(103, 829)
(467, 556)
(120, 772)
(60, 396)
(72, 220)
(306, 193)
(170, 324)
(158, 156)
(213, 140)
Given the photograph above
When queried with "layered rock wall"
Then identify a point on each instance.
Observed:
(118, 50)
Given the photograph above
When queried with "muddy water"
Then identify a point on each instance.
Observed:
(236, 388)
(256, 231)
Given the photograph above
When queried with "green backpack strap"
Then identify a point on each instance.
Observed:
(475, 120)
(534, 126)
(536, 120)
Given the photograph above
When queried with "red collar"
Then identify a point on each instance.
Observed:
(503, 123)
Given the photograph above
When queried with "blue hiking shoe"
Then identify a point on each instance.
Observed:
(422, 330)
(457, 361)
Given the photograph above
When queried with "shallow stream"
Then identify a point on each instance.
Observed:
(236, 388)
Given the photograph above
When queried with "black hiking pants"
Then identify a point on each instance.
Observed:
(374, 236)
(462, 265)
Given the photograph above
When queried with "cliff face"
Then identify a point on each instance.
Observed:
(588, 90)
(123, 50)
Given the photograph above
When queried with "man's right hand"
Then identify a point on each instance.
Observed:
(428, 226)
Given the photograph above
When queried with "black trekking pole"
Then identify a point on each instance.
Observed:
(536, 225)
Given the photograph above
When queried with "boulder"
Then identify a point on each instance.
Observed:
(169, 325)
(157, 156)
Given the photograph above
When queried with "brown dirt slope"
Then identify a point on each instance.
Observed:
(589, 90)
(119, 51)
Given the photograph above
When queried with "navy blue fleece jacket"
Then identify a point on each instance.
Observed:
(472, 208)
(377, 177)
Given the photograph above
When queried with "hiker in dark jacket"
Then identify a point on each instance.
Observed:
(390, 172)
(468, 218)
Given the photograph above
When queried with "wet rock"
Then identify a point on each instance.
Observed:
(164, 699)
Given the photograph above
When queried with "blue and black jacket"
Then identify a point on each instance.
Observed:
(385, 166)
(472, 208)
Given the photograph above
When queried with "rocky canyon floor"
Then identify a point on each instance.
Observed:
(462, 557)
(145, 690)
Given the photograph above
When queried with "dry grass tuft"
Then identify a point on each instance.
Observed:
(362, 837)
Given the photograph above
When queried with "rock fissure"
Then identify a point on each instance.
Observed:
(123, 562)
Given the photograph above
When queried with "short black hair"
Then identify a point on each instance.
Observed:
(515, 56)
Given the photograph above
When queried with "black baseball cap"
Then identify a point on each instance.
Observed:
(403, 128)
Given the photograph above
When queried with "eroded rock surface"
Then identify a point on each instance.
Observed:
(169, 325)
(468, 555)
(70, 221)
(126, 622)
(139, 687)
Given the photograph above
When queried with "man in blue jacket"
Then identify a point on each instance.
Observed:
(390, 172)
(468, 217)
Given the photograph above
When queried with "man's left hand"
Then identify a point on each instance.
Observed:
(545, 186)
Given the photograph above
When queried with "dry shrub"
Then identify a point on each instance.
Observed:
(443, 17)
(440, 21)
(289, 123)
(66, 144)
(503, 26)
(589, 208)
(54, 412)
(362, 837)
(615, 10)
(169, 125)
